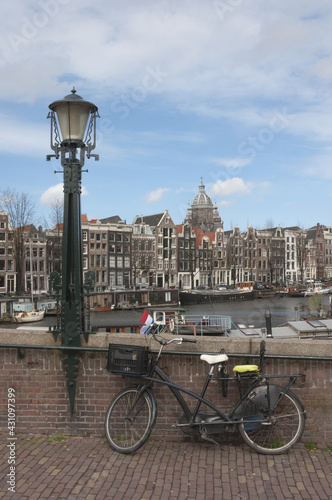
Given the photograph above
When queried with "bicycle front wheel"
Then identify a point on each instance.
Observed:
(279, 432)
(129, 420)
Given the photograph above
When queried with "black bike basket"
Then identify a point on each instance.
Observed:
(127, 359)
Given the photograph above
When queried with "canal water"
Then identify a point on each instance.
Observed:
(250, 313)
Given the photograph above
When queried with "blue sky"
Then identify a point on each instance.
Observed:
(236, 91)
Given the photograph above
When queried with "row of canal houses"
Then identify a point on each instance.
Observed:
(154, 251)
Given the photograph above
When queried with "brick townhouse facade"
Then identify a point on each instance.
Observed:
(154, 251)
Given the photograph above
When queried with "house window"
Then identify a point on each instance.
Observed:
(112, 278)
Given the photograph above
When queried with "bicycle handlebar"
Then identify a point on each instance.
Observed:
(164, 342)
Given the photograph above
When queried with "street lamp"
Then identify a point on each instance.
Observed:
(73, 128)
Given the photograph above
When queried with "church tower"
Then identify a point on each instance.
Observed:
(202, 213)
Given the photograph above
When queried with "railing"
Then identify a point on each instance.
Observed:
(198, 324)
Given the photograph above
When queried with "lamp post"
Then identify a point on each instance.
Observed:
(73, 131)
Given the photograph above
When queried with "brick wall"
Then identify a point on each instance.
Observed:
(42, 404)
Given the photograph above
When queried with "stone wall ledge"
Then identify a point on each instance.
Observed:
(308, 348)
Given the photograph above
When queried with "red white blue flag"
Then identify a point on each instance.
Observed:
(148, 322)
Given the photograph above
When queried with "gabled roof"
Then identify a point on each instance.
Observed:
(211, 237)
(201, 234)
(114, 219)
(293, 228)
(150, 220)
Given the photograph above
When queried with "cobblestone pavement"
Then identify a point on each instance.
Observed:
(54, 467)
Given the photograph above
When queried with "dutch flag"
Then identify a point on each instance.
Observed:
(148, 322)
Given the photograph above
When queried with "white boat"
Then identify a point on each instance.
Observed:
(316, 290)
(22, 313)
(29, 317)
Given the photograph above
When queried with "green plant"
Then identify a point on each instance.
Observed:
(310, 445)
(276, 443)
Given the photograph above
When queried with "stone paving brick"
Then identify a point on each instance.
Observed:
(87, 469)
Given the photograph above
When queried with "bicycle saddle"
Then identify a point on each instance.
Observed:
(212, 359)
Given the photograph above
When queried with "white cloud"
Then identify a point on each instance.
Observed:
(224, 203)
(229, 187)
(236, 186)
(134, 36)
(155, 195)
(275, 54)
(54, 194)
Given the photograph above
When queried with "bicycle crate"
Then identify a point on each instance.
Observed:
(127, 359)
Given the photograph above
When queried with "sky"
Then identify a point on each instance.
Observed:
(237, 92)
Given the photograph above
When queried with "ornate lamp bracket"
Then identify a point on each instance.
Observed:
(55, 137)
(90, 137)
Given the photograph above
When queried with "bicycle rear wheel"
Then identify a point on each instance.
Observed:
(278, 433)
(129, 420)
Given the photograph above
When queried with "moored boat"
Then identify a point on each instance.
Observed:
(28, 317)
(214, 296)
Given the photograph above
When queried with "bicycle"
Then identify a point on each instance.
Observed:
(270, 418)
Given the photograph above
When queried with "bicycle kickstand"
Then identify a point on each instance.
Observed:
(206, 438)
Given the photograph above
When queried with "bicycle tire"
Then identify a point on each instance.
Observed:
(126, 434)
(282, 433)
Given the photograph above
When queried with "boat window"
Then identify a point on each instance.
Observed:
(316, 323)
(250, 332)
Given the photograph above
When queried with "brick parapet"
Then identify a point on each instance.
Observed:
(41, 394)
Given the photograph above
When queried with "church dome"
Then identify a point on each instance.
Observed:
(202, 200)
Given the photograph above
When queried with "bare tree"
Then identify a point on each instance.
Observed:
(56, 216)
(269, 223)
(20, 210)
(54, 240)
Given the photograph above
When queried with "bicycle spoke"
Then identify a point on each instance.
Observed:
(129, 421)
(278, 432)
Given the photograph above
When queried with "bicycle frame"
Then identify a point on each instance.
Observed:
(226, 418)
(269, 417)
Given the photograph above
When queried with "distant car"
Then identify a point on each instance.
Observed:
(259, 285)
(2, 296)
(221, 286)
(201, 287)
(268, 285)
